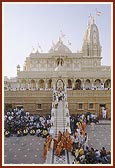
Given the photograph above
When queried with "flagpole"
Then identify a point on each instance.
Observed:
(98, 13)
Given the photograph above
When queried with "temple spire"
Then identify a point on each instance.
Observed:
(60, 39)
(93, 20)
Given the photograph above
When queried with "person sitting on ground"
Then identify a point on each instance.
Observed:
(44, 133)
(25, 131)
(81, 151)
(108, 157)
(32, 132)
(7, 133)
(19, 132)
(92, 155)
(38, 132)
(97, 154)
(103, 152)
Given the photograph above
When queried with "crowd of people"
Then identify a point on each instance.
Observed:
(89, 155)
(68, 141)
(19, 122)
(76, 143)
(23, 89)
(87, 118)
(68, 88)
(83, 154)
(92, 88)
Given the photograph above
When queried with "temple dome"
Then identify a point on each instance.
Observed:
(59, 47)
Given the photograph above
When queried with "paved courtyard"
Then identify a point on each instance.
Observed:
(23, 150)
(29, 149)
(100, 135)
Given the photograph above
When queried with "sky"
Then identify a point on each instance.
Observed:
(26, 26)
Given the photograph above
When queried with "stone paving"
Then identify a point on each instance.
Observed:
(100, 135)
(29, 149)
(23, 150)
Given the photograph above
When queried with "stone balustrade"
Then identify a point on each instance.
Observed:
(48, 93)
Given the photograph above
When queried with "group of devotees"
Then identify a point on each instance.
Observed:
(76, 144)
(20, 123)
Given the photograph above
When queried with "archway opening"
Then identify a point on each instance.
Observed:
(87, 84)
(23, 84)
(60, 84)
(69, 83)
(41, 83)
(107, 83)
(78, 84)
(97, 83)
(33, 84)
(50, 83)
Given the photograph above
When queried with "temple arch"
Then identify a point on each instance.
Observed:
(23, 83)
(41, 83)
(69, 83)
(107, 83)
(33, 84)
(87, 84)
(97, 83)
(49, 83)
(60, 84)
(78, 84)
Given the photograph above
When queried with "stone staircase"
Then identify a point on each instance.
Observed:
(59, 122)
(60, 118)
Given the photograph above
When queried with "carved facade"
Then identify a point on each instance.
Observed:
(78, 71)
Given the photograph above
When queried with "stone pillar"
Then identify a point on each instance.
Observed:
(102, 86)
(73, 84)
(28, 84)
(92, 83)
(54, 84)
(18, 84)
(54, 87)
(103, 82)
(46, 85)
(82, 83)
(65, 88)
(36, 84)
(65, 84)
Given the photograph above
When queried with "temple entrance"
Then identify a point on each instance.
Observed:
(60, 84)
(103, 111)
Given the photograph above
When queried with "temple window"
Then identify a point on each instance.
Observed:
(80, 106)
(39, 106)
(91, 106)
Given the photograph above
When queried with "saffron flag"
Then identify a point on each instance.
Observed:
(98, 13)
